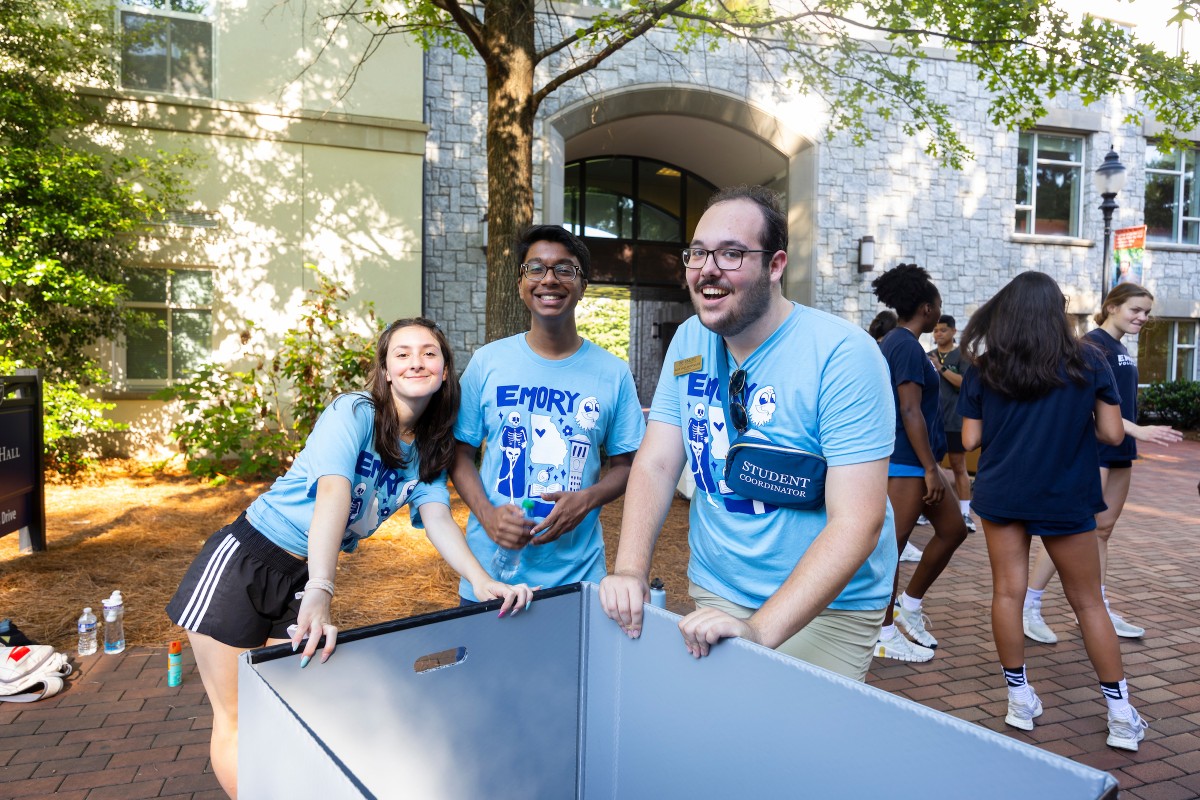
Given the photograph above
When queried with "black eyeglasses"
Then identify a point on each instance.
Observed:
(536, 271)
(727, 259)
(737, 407)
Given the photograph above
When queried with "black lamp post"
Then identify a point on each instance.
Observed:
(1110, 179)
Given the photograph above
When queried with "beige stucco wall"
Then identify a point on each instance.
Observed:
(299, 169)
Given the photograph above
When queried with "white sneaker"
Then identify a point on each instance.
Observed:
(901, 649)
(1125, 629)
(970, 523)
(1035, 627)
(910, 553)
(1125, 730)
(922, 521)
(1021, 714)
(914, 624)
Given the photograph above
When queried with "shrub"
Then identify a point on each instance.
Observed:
(251, 423)
(603, 317)
(72, 424)
(1176, 403)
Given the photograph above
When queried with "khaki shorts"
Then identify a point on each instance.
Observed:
(840, 641)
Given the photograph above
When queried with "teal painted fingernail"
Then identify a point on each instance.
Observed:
(304, 662)
(528, 603)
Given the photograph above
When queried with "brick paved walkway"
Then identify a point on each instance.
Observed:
(1154, 581)
(120, 732)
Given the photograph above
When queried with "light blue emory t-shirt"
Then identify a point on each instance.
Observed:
(342, 443)
(544, 423)
(817, 383)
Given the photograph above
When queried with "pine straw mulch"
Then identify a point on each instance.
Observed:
(134, 528)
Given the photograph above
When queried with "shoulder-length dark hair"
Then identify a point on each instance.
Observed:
(1021, 340)
(434, 430)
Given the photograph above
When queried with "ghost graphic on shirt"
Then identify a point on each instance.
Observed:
(588, 413)
(762, 406)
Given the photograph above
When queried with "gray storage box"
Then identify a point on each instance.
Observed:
(558, 703)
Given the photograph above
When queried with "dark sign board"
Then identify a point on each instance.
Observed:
(22, 485)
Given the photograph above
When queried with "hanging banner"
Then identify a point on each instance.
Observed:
(1128, 254)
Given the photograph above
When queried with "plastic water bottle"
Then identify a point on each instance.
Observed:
(658, 595)
(174, 664)
(87, 632)
(505, 562)
(114, 624)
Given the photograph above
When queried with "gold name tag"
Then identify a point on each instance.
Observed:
(686, 365)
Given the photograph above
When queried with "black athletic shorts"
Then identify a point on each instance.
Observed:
(1121, 464)
(241, 589)
(954, 442)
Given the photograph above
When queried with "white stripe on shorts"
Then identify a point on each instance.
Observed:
(203, 593)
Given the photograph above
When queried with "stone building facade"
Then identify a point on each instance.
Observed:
(726, 117)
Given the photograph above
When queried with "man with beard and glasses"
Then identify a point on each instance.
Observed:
(812, 584)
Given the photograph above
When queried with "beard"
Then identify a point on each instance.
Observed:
(752, 305)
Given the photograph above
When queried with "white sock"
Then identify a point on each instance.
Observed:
(1104, 597)
(1117, 696)
(909, 603)
(887, 632)
(1018, 685)
(964, 506)
(1033, 597)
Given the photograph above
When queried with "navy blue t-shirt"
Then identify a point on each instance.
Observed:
(908, 363)
(1125, 372)
(1039, 460)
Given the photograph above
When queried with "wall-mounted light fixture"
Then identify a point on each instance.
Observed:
(866, 254)
(655, 330)
(483, 229)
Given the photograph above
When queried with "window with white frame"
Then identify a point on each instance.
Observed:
(1049, 183)
(170, 334)
(1172, 195)
(1167, 350)
(167, 46)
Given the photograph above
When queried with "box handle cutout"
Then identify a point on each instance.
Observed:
(440, 660)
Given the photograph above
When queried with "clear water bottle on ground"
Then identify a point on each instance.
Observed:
(505, 562)
(114, 624)
(87, 633)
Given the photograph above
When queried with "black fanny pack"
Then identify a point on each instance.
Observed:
(758, 469)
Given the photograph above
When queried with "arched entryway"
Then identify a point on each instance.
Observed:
(653, 154)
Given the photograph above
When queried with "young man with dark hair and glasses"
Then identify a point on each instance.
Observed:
(811, 583)
(545, 403)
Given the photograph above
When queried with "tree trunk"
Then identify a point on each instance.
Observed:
(509, 37)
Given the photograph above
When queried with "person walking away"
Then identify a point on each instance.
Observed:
(1032, 387)
(1123, 313)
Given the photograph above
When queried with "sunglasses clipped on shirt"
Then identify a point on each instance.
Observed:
(737, 405)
